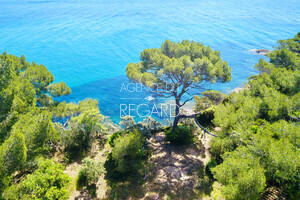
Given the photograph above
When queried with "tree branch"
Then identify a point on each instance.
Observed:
(186, 101)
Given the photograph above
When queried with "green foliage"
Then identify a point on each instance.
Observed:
(181, 59)
(23, 87)
(23, 84)
(146, 127)
(208, 99)
(175, 68)
(64, 109)
(38, 131)
(114, 136)
(241, 175)
(231, 115)
(13, 153)
(286, 81)
(261, 124)
(110, 126)
(25, 130)
(83, 129)
(48, 181)
(291, 44)
(210, 165)
(283, 130)
(206, 117)
(284, 58)
(127, 152)
(283, 166)
(277, 145)
(225, 142)
(90, 172)
(59, 89)
(27, 109)
(264, 66)
(39, 77)
(5, 181)
(17, 98)
(180, 136)
(127, 122)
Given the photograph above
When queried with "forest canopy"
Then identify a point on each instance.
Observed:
(258, 144)
(28, 130)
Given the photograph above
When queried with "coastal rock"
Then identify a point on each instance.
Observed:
(237, 90)
(261, 51)
(217, 129)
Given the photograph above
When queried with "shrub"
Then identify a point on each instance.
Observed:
(208, 99)
(127, 122)
(128, 152)
(206, 117)
(82, 132)
(241, 175)
(90, 172)
(210, 165)
(148, 126)
(181, 135)
(113, 137)
(48, 181)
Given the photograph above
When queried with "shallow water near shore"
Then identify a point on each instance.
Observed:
(88, 44)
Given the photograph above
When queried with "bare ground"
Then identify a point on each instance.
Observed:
(172, 172)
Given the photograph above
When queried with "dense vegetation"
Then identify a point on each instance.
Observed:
(48, 181)
(182, 135)
(89, 174)
(258, 127)
(258, 145)
(28, 130)
(127, 152)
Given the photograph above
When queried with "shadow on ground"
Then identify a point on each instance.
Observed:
(175, 170)
(172, 172)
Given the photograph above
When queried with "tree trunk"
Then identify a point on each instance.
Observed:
(175, 123)
(177, 115)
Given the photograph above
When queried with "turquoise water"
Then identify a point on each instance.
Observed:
(88, 44)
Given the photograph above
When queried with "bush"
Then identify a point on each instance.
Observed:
(241, 175)
(48, 181)
(210, 165)
(90, 172)
(208, 99)
(128, 152)
(181, 135)
(127, 122)
(82, 131)
(206, 117)
(146, 127)
(113, 137)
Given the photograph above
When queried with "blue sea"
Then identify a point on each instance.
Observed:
(88, 43)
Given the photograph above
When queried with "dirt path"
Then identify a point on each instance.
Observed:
(174, 170)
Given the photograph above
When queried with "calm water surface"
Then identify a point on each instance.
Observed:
(88, 44)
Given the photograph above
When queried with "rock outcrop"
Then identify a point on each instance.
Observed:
(261, 51)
